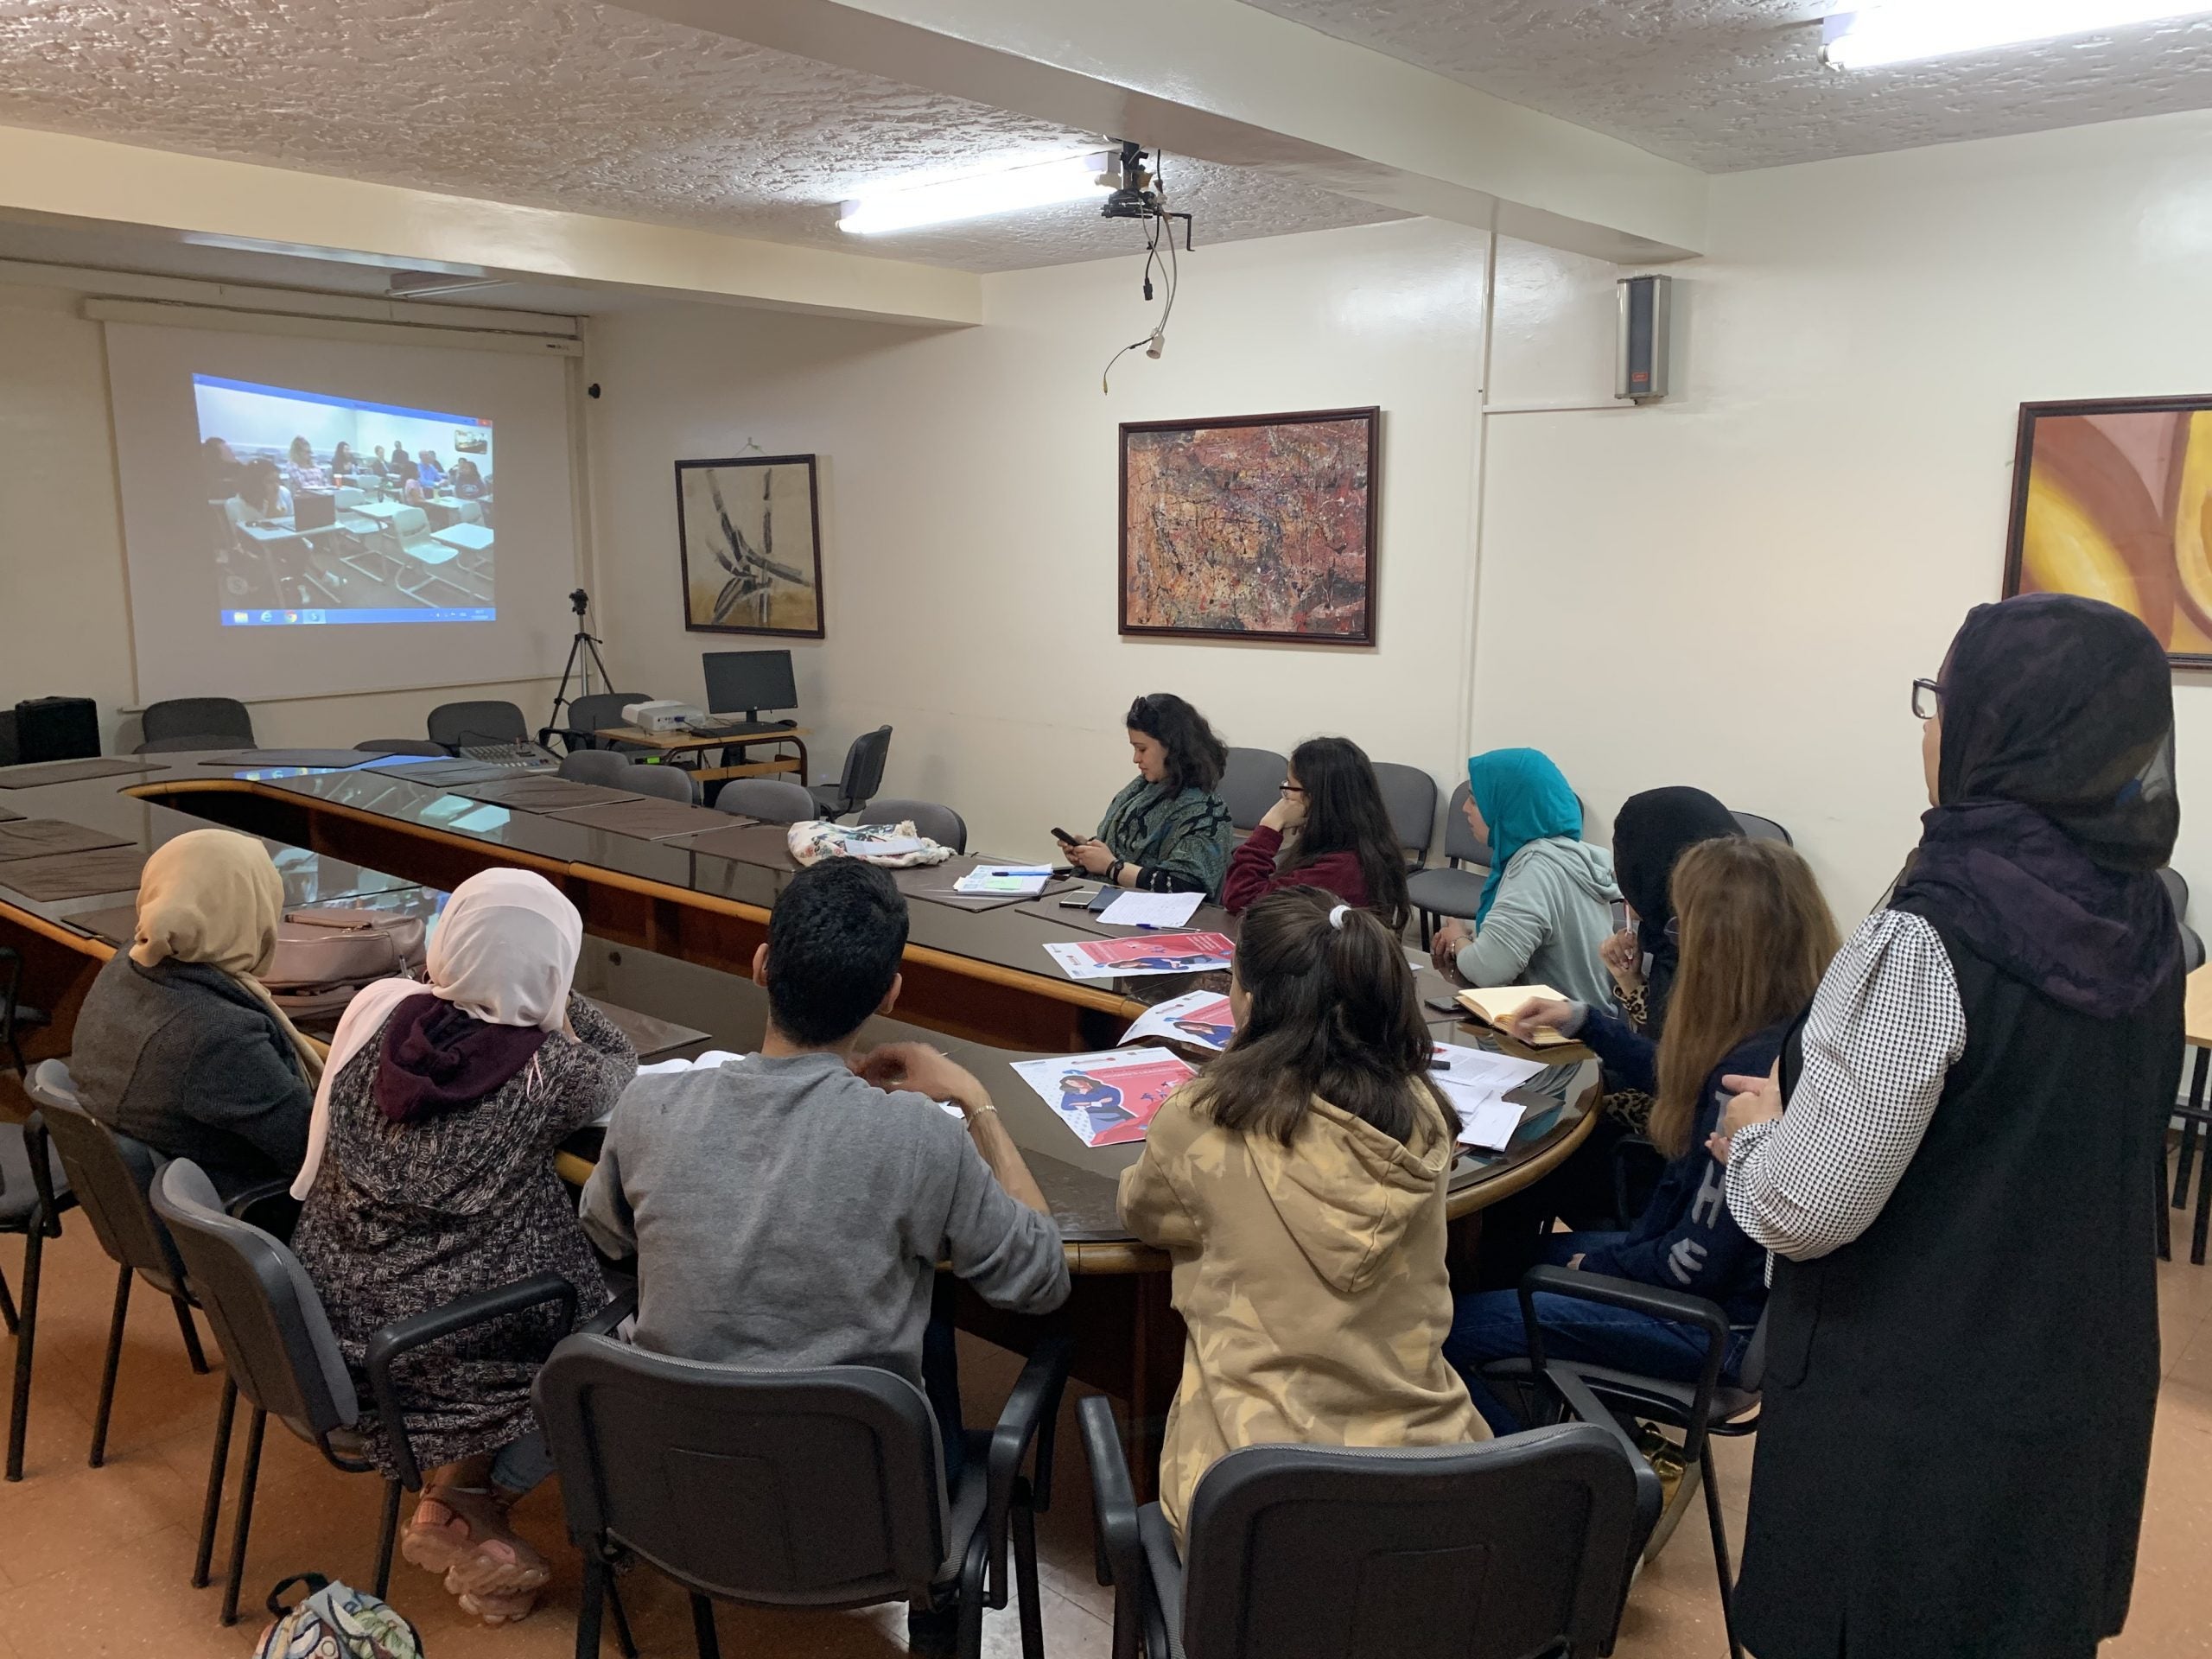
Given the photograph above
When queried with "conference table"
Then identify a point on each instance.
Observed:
(675, 900)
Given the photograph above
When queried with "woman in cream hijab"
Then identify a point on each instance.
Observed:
(178, 1044)
(429, 1174)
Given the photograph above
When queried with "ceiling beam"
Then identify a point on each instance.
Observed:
(54, 176)
(1226, 82)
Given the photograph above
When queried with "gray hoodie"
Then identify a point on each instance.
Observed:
(1553, 909)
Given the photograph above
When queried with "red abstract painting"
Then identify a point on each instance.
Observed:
(1262, 526)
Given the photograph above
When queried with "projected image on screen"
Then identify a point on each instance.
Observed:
(325, 510)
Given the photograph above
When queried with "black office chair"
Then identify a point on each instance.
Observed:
(195, 723)
(940, 824)
(421, 746)
(1410, 794)
(456, 726)
(1512, 1548)
(1250, 784)
(16, 1016)
(1455, 888)
(862, 777)
(34, 1194)
(585, 717)
(281, 1355)
(769, 799)
(110, 1175)
(1700, 1411)
(1760, 829)
(822, 1488)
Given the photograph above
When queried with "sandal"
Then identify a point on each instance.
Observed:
(462, 1532)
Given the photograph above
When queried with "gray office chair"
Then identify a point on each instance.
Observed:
(1456, 889)
(862, 777)
(1410, 796)
(33, 1195)
(281, 1355)
(421, 746)
(940, 824)
(1512, 1548)
(769, 799)
(463, 725)
(1251, 784)
(818, 1488)
(16, 1016)
(195, 723)
(2177, 886)
(585, 717)
(1760, 829)
(613, 770)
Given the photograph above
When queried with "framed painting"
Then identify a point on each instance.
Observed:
(2112, 499)
(1258, 527)
(749, 533)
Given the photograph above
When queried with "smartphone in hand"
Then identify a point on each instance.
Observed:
(1620, 916)
(1063, 838)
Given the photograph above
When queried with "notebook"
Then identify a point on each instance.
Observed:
(1491, 1005)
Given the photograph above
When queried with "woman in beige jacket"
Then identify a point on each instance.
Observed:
(1299, 1186)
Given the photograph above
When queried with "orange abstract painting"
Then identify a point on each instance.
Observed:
(2112, 500)
(1260, 527)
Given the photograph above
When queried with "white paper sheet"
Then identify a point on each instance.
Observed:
(1198, 1018)
(1476, 1081)
(1151, 909)
(1027, 880)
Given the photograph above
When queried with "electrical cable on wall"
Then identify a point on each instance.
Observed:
(1143, 195)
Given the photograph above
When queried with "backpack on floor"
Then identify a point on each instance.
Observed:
(335, 1621)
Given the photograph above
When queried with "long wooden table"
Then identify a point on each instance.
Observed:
(670, 931)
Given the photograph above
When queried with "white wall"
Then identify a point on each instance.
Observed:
(64, 622)
(1735, 588)
(969, 508)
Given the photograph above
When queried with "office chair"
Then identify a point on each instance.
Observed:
(34, 1194)
(940, 824)
(1700, 1409)
(16, 1016)
(195, 723)
(1250, 784)
(1409, 796)
(281, 1355)
(819, 1488)
(456, 726)
(1510, 1548)
(611, 770)
(769, 799)
(1455, 889)
(1760, 829)
(862, 777)
(585, 717)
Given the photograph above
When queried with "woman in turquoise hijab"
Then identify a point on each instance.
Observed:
(1547, 905)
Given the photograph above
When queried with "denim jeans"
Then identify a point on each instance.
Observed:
(1486, 1326)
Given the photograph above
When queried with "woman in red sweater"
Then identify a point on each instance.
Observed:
(1330, 830)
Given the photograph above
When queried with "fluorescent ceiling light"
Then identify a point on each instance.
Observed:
(1041, 184)
(1899, 31)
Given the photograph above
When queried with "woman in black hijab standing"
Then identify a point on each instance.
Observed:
(1962, 1355)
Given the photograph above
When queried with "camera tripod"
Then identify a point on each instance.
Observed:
(583, 657)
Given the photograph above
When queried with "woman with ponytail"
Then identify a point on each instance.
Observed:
(1756, 935)
(1299, 1186)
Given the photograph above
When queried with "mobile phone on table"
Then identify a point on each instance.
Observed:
(1077, 901)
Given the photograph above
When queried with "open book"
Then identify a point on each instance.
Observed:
(1492, 1005)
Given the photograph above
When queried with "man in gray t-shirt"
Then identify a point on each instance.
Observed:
(787, 1209)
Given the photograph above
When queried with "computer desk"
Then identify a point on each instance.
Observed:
(674, 743)
(670, 932)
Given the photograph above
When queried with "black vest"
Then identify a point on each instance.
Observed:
(1958, 1403)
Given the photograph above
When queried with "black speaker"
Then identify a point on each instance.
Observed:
(1646, 303)
(57, 729)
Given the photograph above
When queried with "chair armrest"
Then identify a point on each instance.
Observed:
(1576, 1395)
(1030, 1414)
(1119, 1546)
(619, 1306)
(37, 1143)
(1670, 1305)
(403, 1337)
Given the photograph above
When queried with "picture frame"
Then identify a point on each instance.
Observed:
(2112, 499)
(1256, 527)
(734, 579)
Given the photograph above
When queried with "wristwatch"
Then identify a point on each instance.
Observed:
(1114, 874)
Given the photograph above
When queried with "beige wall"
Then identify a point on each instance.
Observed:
(65, 620)
(969, 508)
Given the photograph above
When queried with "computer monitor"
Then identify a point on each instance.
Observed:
(748, 682)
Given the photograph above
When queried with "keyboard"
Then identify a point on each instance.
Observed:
(525, 756)
(738, 727)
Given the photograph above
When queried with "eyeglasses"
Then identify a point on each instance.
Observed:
(1927, 699)
(1289, 789)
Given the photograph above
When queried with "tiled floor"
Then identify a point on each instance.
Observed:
(94, 1561)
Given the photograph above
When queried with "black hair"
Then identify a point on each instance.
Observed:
(835, 939)
(1334, 1014)
(1196, 758)
(1345, 813)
